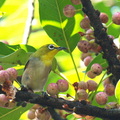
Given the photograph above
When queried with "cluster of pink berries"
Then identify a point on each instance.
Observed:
(38, 113)
(83, 88)
(96, 69)
(6, 81)
(109, 90)
(69, 11)
(60, 86)
(88, 44)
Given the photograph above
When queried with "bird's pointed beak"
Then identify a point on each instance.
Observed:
(60, 48)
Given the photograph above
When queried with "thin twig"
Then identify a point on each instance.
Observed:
(29, 21)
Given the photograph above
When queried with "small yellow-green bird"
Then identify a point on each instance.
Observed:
(39, 66)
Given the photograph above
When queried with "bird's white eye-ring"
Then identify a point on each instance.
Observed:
(51, 47)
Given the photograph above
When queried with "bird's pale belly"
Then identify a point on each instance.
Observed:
(35, 75)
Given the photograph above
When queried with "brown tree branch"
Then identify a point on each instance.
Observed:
(109, 52)
(71, 106)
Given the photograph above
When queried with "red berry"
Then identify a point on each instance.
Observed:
(3, 76)
(85, 23)
(76, 2)
(101, 98)
(87, 60)
(92, 85)
(90, 74)
(52, 89)
(62, 85)
(96, 68)
(12, 73)
(3, 98)
(106, 81)
(83, 46)
(109, 89)
(43, 114)
(82, 85)
(103, 17)
(69, 11)
(31, 114)
(84, 55)
(116, 18)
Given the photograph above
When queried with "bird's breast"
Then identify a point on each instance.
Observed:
(35, 75)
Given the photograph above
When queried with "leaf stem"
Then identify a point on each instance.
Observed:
(67, 44)
(74, 65)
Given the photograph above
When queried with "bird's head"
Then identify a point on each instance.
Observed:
(47, 52)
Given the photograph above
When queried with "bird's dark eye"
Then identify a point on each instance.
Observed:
(50, 47)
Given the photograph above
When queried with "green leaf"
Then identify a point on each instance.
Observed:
(1, 2)
(13, 114)
(62, 30)
(117, 91)
(18, 57)
(8, 49)
(98, 59)
(15, 54)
